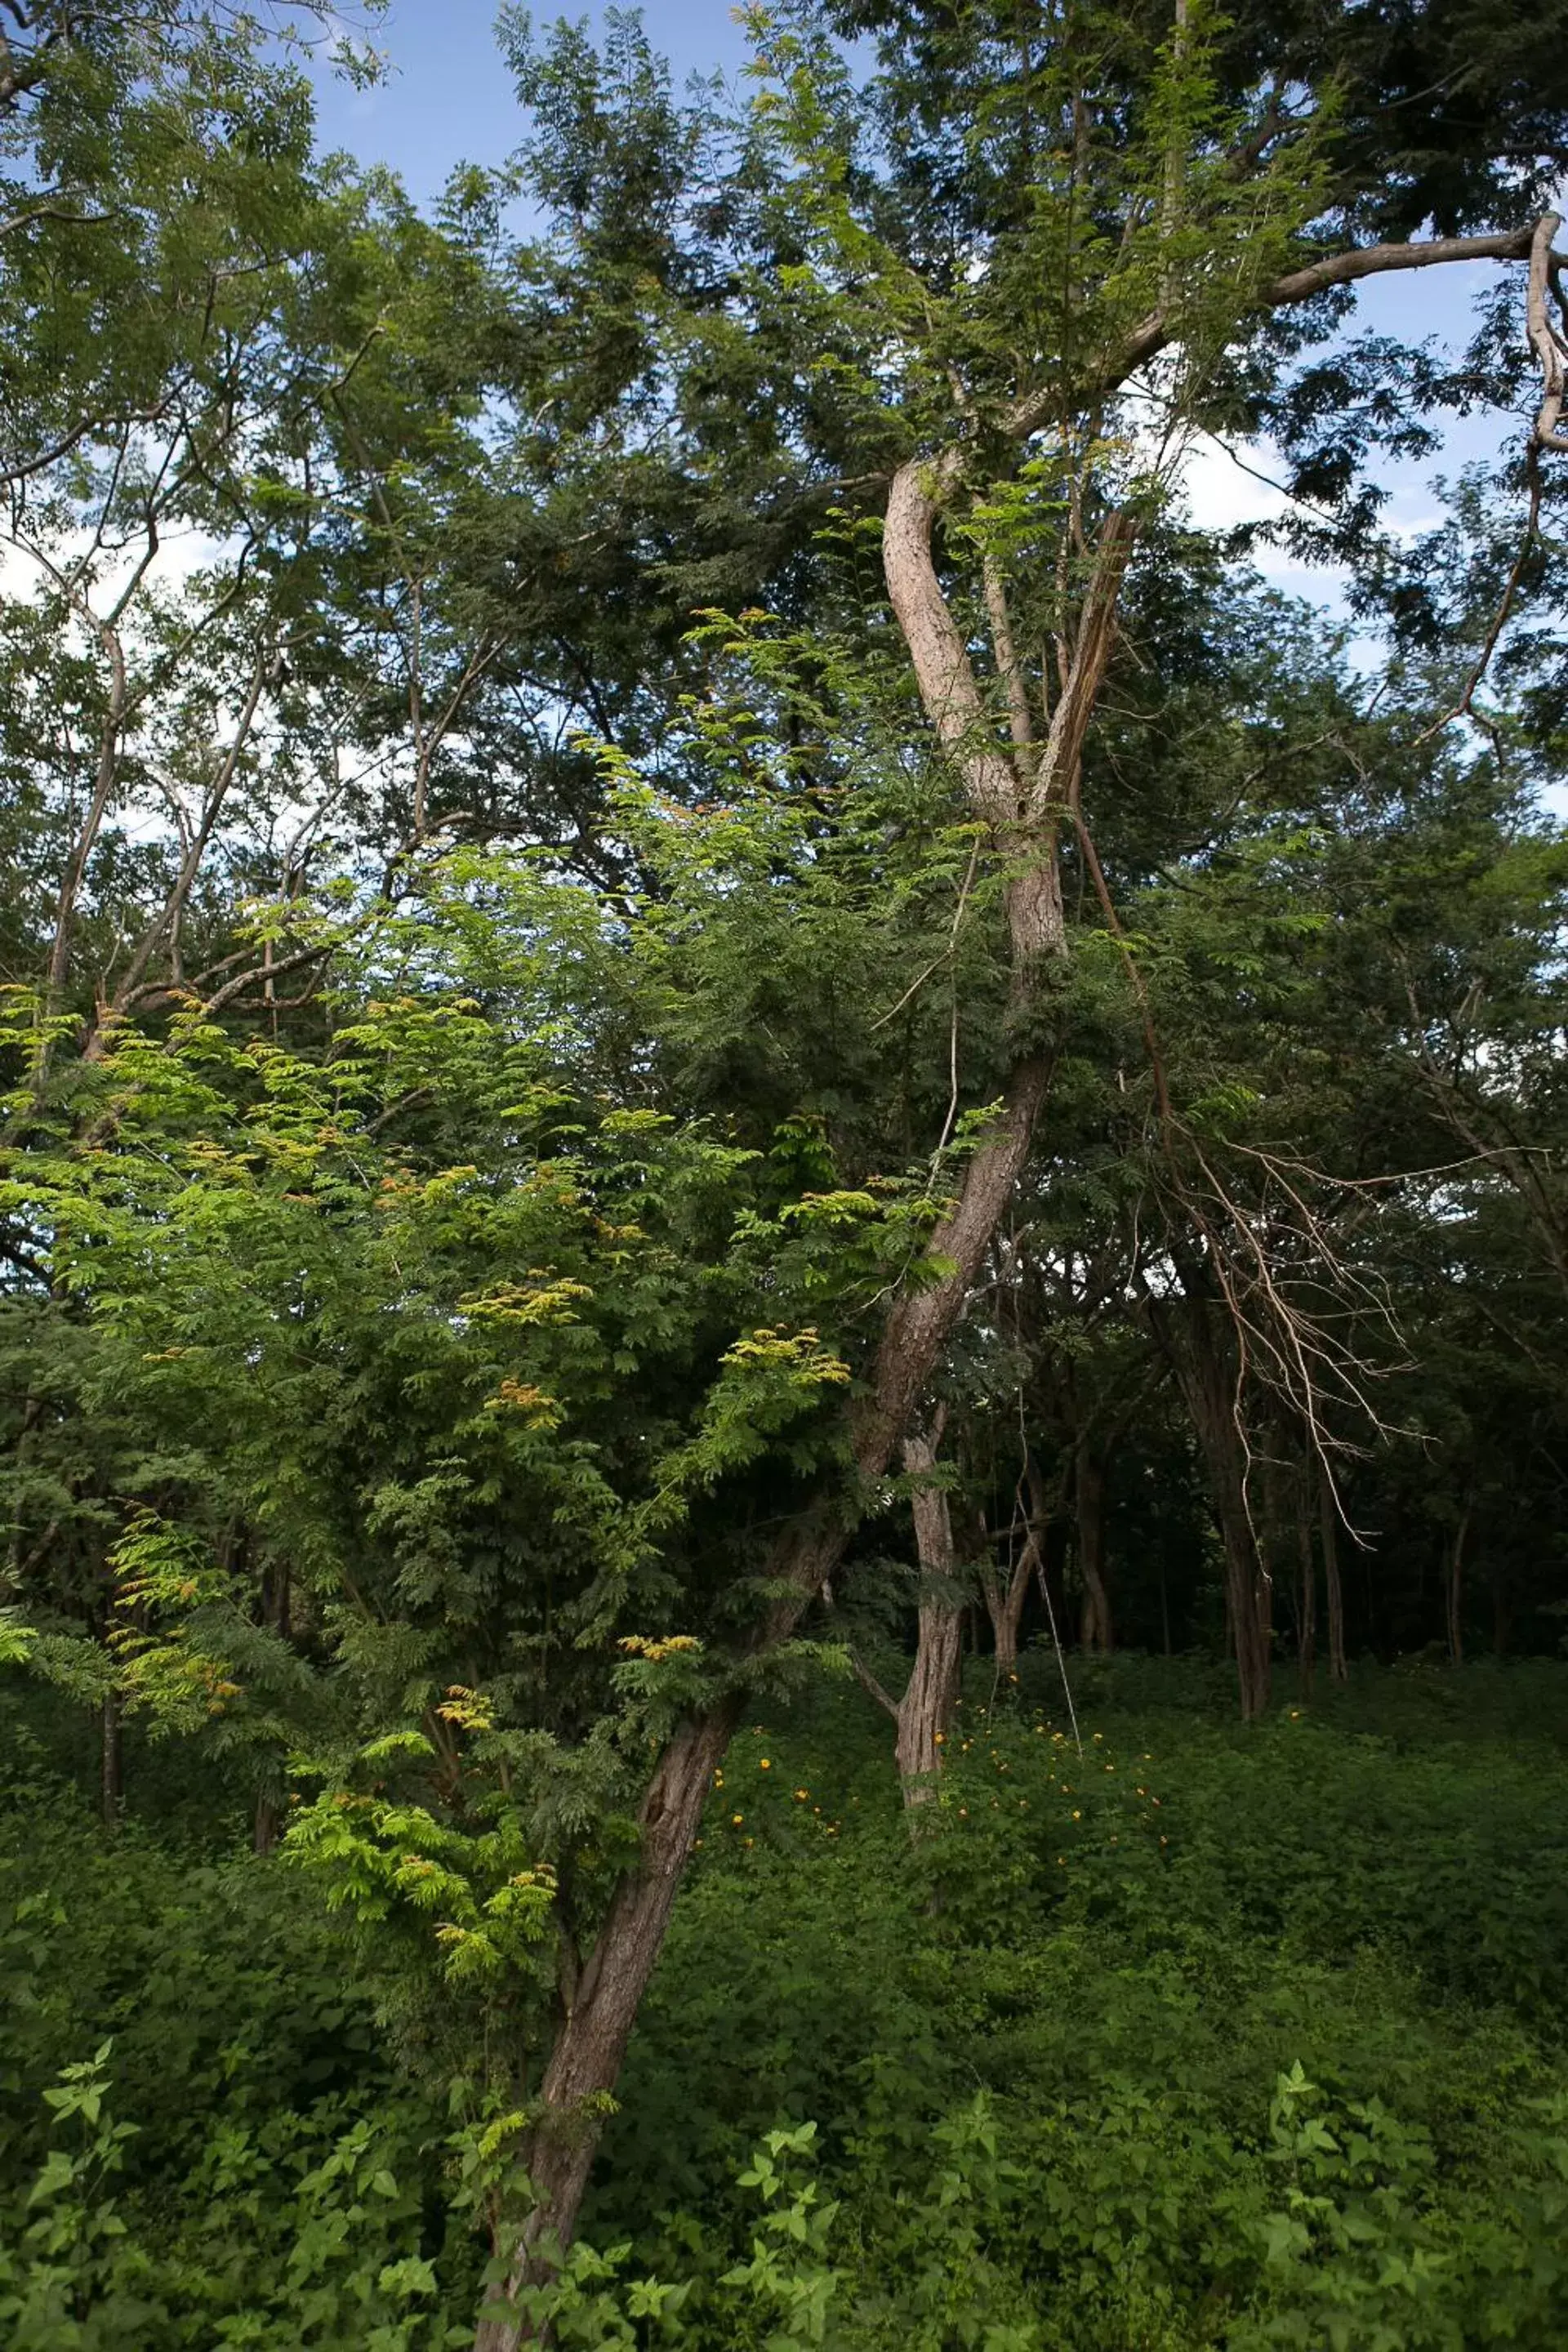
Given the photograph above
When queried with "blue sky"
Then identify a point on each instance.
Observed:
(449, 100)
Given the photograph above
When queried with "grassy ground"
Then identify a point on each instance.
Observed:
(1204, 2036)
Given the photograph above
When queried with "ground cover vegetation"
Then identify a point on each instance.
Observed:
(710, 1037)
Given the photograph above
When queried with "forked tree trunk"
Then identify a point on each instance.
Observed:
(923, 1716)
(1333, 1590)
(1019, 798)
(1004, 1601)
(1004, 1605)
(1088, 1496)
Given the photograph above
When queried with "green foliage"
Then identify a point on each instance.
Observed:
(508, 984)
(1198, 2040)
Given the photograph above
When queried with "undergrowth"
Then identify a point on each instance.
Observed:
(1201, 2037)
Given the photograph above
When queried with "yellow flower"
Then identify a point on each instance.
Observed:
(736, 1820)
(801, 1795)
(763, 1764)
(1077, 1815)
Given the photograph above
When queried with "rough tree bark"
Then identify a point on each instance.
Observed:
(1197, 1346)
(923, 1715)
(1004, 1601)
(591, 2043)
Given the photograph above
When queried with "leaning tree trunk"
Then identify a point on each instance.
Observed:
(585, 2062)
(1019, 796)
(591, 2043)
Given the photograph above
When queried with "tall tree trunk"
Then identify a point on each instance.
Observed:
(1455, 1592)
(1306, 1603)
(1247, 1597)
(1089, 1498)
(1208, 1383)
(111, 1760)
(1333, 1590)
